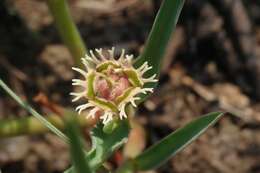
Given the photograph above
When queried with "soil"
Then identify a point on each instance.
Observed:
(212, 63)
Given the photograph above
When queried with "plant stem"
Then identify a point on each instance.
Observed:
(67, 29)
(80, 162)
(31, 125)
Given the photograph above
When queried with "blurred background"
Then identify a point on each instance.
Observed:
(212, 63)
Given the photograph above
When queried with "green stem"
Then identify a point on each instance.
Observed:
(81, 164)
(31, 125)
(67, 29)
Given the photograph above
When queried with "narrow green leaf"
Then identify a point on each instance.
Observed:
(76, 149)
(67, 29)
(170, 145)
(175, 142)
(27, 107)
(104, 144)
(159, 36)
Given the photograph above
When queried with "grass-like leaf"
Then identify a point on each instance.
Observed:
(76, 149)
(27, 107)
(67, 29)
(170, 145)
(159, 36)
(173, 143)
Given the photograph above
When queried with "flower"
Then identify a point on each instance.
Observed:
(110, 84)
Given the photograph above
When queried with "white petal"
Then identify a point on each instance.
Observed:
(150, 79)
(86, 61)
(122, 113)
(145, 64)
(103, 117)
(145, 90)
(82, 107)
(106, 117)
(99, 51)
(133, 99)
(79, 82)
(133, 103)
(111, 53)
(122, 55)
(76, 98)
(137, 98)
(94, 58)
(78, 95)
(129, 58)
(80, 71)
(93, 112)
(147, 68)
(109, 117)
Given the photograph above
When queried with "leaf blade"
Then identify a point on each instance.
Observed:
(27, 107)
(159, 36)
(173, 143)
(164, 24)
(67, 29)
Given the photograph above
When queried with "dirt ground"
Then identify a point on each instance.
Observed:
(212, 63)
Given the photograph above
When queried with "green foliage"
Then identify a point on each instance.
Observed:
(67, 29)
(164, 24)
(27, 107)
(170, 145)
(76, 149)
(104, 144)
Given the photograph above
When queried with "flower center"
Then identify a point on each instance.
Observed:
(111, 83)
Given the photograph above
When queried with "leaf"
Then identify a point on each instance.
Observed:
(175, 142)
(27, 107)
(67, 29)
(159, 36)
(104, 144)
(170, 145)
(76, 149)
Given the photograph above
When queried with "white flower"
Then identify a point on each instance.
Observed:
(110, 84)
